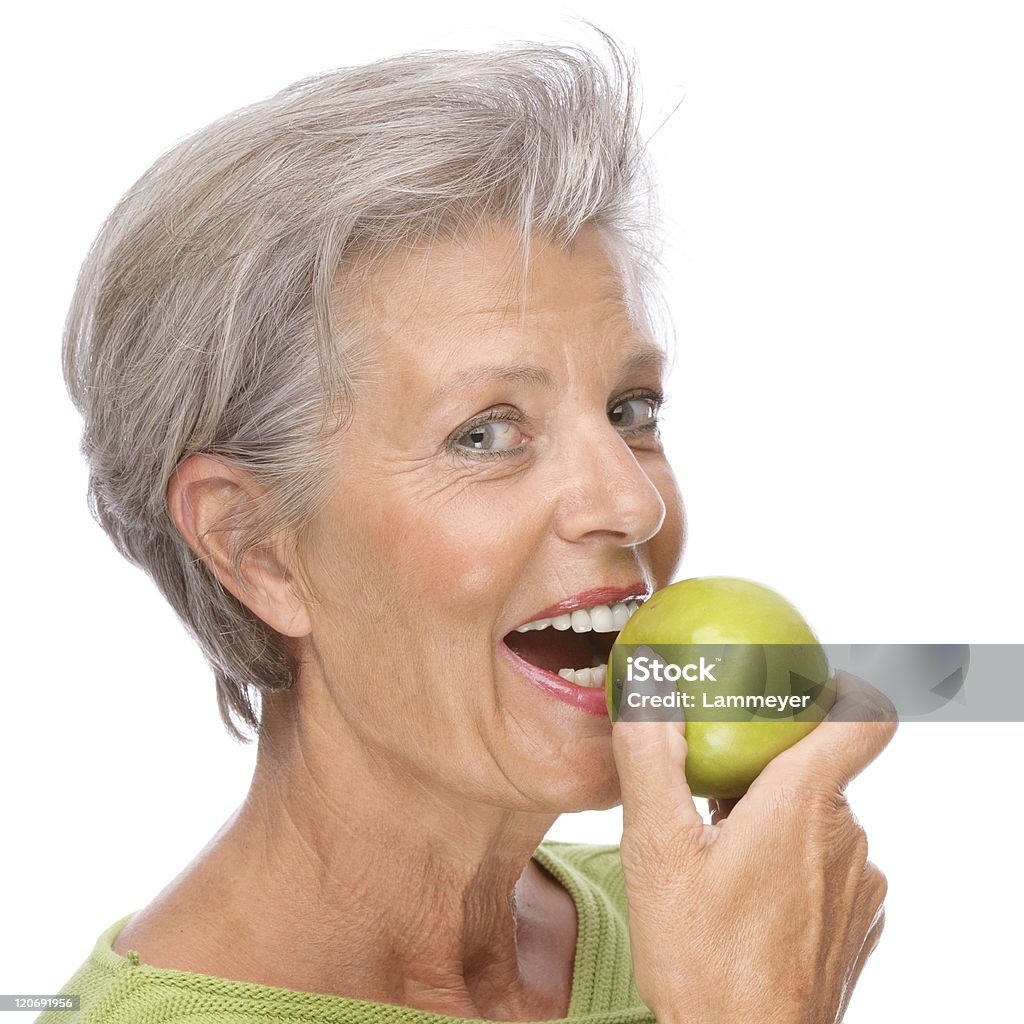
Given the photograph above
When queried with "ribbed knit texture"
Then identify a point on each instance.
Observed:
(122, 990)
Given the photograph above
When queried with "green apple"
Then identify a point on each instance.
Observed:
(764, 647)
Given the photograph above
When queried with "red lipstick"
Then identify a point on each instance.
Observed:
(588, 699)
(599, 595)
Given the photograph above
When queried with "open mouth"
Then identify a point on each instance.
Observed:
(575, 647)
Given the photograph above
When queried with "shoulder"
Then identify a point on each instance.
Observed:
(115, 989)
(99, 983)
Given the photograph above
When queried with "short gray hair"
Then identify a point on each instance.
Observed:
(203, 319)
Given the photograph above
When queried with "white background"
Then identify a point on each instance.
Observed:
(841, 187)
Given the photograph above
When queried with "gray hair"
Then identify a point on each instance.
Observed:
(204, 317)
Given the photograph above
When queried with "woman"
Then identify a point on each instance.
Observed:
(370, 381)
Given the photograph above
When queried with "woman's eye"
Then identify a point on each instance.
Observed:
(635, 413)
(496, 436)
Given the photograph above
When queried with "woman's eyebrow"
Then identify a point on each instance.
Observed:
(644, 357)
(641, 357)
(515, 373)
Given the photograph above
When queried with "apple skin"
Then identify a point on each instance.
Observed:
(723, 758)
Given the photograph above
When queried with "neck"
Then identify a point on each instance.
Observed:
(375, 885)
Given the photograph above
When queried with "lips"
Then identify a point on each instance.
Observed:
(589, 598)
(541, 654)
(552, 649)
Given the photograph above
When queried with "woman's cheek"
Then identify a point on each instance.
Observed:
(467, 552)
(668, 544)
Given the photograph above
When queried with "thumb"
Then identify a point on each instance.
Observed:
(651, 761)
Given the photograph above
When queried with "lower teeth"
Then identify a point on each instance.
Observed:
(593, 677)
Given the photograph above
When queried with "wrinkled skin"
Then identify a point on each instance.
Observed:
(384, 849)
(770, 912)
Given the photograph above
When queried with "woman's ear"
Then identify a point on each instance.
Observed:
(202, 495)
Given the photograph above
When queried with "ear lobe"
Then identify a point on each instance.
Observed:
(203, 499)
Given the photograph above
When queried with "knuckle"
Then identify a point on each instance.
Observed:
(876, 883)
(852, 839)
(859, 843)
(855, 850)
(860, 701)
(885, 724)
(822, 801)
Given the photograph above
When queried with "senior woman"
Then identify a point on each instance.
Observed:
(370, 379)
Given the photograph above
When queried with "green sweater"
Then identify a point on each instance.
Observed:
(122, 990)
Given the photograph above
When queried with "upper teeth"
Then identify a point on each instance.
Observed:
(602, 618)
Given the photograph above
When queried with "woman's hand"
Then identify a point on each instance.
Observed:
(770, 913)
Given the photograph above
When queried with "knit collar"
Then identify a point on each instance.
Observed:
(602, 988)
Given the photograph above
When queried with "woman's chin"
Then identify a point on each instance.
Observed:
(579, 783)
(593, 800)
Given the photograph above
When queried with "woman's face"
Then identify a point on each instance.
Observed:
(496, 471)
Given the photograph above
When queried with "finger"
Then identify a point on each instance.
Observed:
(651, 761)
(858, 701)
(857, 729)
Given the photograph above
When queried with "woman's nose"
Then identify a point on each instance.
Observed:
(606, 494)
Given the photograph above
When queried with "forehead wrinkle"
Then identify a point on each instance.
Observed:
(486, 275)
(391, 298)
(412, 297)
